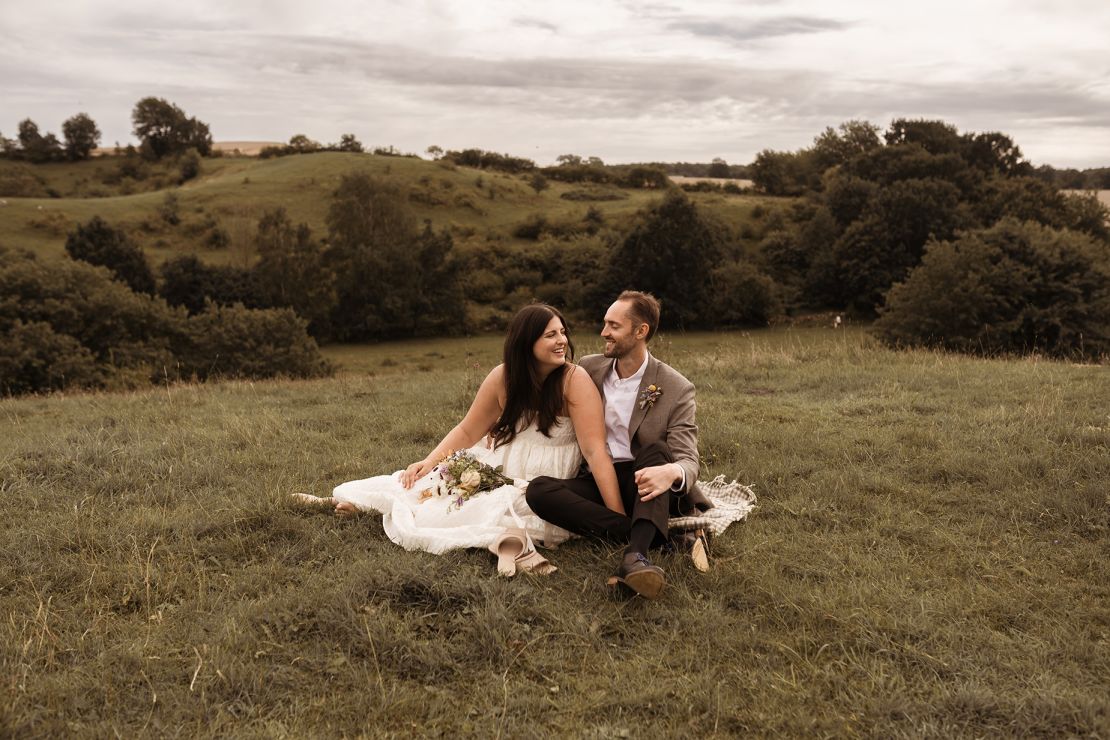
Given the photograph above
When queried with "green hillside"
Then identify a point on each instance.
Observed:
(233, 192)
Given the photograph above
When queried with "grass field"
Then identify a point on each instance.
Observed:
(929, 558)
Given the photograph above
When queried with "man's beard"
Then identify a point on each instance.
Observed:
(616, 350)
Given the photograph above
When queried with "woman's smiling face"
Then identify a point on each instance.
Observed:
(550, 350)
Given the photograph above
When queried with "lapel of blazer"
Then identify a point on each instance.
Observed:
(651, 372)
(598, 374)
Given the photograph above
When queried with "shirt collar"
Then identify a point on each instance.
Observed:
(636, 376)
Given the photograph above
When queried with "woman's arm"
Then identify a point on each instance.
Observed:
(588, 415)
(483, 414)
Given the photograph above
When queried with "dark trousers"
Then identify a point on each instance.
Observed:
(576, 503)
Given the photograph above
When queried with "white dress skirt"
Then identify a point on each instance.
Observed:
(437, 525)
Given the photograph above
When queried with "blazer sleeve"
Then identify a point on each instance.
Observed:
(682, 435)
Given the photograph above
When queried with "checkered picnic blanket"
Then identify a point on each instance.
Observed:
(732, 502)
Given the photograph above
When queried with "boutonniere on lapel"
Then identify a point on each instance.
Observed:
(649, 395)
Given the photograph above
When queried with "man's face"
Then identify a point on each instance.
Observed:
(620, 336)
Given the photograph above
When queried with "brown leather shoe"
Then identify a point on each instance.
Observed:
(641, 576)
(695, 543)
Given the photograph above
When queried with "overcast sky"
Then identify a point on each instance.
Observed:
(623, 80)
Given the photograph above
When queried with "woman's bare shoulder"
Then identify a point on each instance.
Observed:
(578, 383)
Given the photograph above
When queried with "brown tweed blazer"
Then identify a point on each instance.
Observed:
(670, 420)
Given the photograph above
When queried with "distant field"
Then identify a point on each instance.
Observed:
(234, 192)
(928, 558)
(1102, 195)
(682, 179)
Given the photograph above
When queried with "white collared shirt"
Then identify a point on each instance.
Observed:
(620, 401)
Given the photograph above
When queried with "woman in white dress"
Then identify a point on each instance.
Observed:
(543, 415)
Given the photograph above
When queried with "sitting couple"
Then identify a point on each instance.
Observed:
(606, 448)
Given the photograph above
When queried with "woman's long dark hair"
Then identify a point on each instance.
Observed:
(527, 397)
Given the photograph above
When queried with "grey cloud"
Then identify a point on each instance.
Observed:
(641, 81)
(624, 89)
(742, 31)
(1001, 102)
(535, 23)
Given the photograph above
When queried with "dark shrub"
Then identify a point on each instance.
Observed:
(188, 282)
(20, 181)
(123, 332)
(743, 296)
(1015, 287)
(233, 341)
(188, 166)
(99, 244)
(670, 253)
(33, 357)
(69, 324)
(531, 228)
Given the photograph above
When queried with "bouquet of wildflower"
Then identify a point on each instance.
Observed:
(461, 476)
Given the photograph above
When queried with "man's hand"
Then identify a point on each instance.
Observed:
(651, 482)
(415, 472)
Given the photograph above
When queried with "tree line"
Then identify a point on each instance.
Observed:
(948, 239)
(163, 129)
(881, 222)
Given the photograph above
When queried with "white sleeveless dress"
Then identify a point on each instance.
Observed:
(432, 526)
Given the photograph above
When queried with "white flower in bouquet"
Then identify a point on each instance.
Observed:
(470, 480)
(462, 476)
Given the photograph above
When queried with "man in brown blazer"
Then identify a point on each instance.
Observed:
(653, 440)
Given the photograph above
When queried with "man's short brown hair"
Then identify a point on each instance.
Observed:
(643, 308)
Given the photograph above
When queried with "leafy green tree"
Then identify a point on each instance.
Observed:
(847, 196)
(786, 173)
(671, 253)
(641, 176)
(34, 146)
(887, 241)
(994, 152)
(434, 151)
(188, 282)
(1031, 199)
(375, 253)
(440, 308)
(292, 270)
(165, 130)
(836, 146)
(9, 148)
(348, 143)
(743, 296)
(35, 358)
(538, 182)
(188, 166)
(80, 327)
(718, 168)
(1015, 287)
(301, 144)
(81, 136)
(935, 137)
(66, 324)
(238, 342)
(98, 243)
(888, 164)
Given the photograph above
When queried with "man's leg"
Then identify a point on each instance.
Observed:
(576, 504)
(650, 519)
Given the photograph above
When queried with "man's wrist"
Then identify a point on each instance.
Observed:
(678, 483)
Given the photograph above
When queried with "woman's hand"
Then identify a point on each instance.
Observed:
(415, 472)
